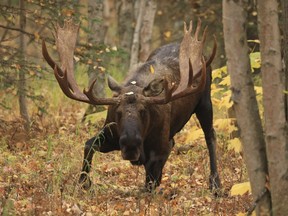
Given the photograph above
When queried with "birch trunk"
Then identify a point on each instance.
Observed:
(274, 104)
(146, 29)
(244, 100)
(134, 58)
(285, 49)
(125, 28)
(95, 36)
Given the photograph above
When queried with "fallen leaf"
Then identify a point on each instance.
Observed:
(240, 189)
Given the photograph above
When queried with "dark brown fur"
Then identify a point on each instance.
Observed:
(143, 131)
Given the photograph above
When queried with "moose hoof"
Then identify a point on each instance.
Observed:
(215, 184)
(85, 181)
(151, 186)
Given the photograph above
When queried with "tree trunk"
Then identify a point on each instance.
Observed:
(285, 50)
(110, 22)
(146, 29)
(244, 100)
(96, 36)
(274, 104)
(125, 28)
(22, 81)
(136, 37)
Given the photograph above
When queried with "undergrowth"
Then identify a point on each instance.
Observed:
(39, 171)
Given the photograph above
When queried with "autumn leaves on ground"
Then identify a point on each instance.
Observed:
(39, 170)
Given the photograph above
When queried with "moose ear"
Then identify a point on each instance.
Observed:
(154, 88)
(114, 85)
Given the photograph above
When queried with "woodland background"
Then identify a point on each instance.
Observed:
(42, 133)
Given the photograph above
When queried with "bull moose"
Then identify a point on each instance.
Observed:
(148, 109)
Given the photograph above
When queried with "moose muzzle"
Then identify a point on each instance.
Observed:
(130, 146)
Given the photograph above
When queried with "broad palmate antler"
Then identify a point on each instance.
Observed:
(190, 60)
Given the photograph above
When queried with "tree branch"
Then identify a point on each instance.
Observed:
(19, 30)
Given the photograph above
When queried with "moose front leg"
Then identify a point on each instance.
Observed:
(205, 115)
(101, 143)
(153, 167)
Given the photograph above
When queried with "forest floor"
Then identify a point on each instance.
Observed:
(39, 173)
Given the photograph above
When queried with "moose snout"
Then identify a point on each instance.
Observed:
(130, 147)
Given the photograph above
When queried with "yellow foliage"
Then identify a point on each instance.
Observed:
(226, 81)
(167, 34)
(235, 144)
(215, 101)
(152, 70)
(215, 90)
(221, 124)
(232, 128)
(255, 60)
(240, 189)
(244, 214)
(194, 134)
(226, 101)
(218, 73)
(258, 90)
(225, 124)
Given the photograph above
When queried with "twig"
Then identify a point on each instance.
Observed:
(260, 196)
(17, 29)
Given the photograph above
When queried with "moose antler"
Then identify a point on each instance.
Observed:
(191, 53)
(65, 41)
(191, 60)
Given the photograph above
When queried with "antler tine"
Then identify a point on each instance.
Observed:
(204, 35)
(66, 87)
(99, 101)
(189, 30)
(48, 58)
(185, 27)
(198, 29)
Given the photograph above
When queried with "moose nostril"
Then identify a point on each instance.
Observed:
(123, 140)
(131, 141)
(138, 139)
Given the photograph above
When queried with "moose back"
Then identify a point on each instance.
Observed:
(154, 103)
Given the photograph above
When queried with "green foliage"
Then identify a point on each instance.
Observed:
(41, 16)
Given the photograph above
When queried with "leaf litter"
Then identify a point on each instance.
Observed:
(39, 173)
